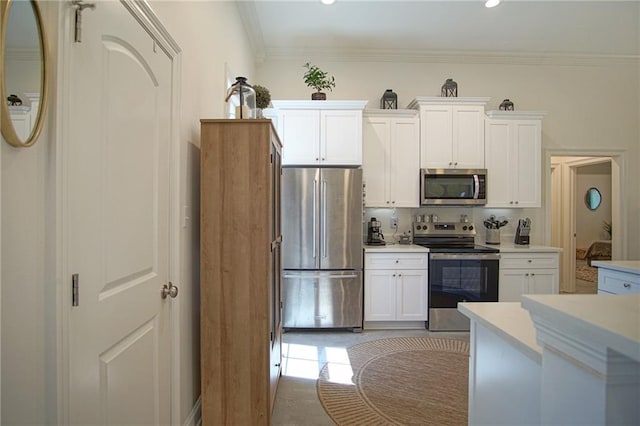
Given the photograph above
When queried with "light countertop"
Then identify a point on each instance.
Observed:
(509, 321)
(513, 248)
(396, 248)
(611, 321)
(630, 266)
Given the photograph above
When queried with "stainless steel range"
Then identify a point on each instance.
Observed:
(459, 271)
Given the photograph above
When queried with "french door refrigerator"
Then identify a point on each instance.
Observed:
(322, 248)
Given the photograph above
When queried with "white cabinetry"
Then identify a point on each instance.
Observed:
(320, 132)
(395, 287)
(391, 158)
(513, 152)
(451, 132)
(611, 281)
(532, 273)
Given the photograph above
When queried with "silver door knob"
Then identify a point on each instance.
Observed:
(169, 290)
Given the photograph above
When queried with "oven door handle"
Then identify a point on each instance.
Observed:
(464, 256)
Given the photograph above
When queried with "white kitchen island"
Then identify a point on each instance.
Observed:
(556, 359)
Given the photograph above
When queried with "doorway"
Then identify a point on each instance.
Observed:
(584, 195)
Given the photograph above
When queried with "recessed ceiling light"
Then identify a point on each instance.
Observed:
(328, 1)
(492, 3)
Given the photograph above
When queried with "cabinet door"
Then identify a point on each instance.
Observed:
(379, 295)
(437, 136)
(404, 176)
(543, 281)
(411, 295)
(498, 161)
(300, 136)
(527, 164)
(375, 164)
(341, 137)
(512, 285)
(468, 137)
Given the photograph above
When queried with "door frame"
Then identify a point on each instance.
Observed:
(618, 159)
(147, 19)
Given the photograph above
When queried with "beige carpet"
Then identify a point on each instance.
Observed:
(585, 272)
(401, 381)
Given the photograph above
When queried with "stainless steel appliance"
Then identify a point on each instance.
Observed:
(522, 232)
(459, 271)
(322, 248)
(453, 187)
(374, 235)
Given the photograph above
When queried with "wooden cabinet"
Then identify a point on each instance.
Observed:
(532, 273)
(395, 287)
(324, 133)
(391, 158)
(513, 157)
(451, 132)
(617, 282)
(240, 303)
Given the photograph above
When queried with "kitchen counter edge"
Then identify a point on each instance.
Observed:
(395, 248)
(629, 266)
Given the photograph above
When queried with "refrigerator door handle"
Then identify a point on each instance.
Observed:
(315, 212)
(324, 218)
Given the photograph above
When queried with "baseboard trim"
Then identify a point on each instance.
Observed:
(195, 417)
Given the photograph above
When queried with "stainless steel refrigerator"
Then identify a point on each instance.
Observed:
(322, 248)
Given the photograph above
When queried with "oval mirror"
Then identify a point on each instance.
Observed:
(592, 198)
(23, 62)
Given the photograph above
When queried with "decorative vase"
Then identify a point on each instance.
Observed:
(318, 96)
(242, 96)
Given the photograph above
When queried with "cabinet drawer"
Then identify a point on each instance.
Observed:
(618, 283)
(395, 260)
(528, 261)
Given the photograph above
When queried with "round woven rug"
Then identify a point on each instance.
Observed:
(401, 381)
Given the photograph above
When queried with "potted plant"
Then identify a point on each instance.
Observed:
(607, 227)
(263, 97)
(317, 79)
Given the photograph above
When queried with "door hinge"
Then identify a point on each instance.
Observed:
(75, 290)
(80, 6)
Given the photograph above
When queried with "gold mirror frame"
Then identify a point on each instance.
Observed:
(8, 129)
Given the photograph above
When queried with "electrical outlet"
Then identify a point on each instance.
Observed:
(394, 222)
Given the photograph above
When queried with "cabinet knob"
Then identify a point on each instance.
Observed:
(322, 158)
(529, 261)
(455, 164)
(397, 261)
(526, 275)
(533, 275)
(516, 202)
(399, 275)
(394, 275)
(627, 285)
(387, 202)
(510, 202)
(317, 158)
(393, 202)
(450, 164)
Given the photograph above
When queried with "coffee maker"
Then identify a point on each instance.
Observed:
(522, 232)
(374, 236)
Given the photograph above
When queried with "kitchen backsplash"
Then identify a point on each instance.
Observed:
(452, 214)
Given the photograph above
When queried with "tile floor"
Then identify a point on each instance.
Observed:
(304, 353)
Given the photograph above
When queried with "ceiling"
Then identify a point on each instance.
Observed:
(411, 29)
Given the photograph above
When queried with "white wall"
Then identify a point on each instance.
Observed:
(589, 222)
(210, 34)
(591, 105)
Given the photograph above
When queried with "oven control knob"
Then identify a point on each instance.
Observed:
(471, 228)
(418, 227)
(464, 228)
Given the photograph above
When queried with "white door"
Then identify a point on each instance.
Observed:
(341, 137)
(116, 221)
(411, 295)
(405, 163)
(300, 135)
(380, 295)
(436, 123)
(375, 162)
(468, 137)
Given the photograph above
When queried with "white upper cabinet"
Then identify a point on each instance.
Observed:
(513, 158)
(451, 132)
(320, 132)
(391, 158)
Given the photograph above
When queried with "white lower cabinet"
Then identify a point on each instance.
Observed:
(395, 294)
(534, 273)
(617, 282)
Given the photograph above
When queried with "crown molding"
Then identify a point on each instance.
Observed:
(521, 115)
(462, 57)
(251, 23)
(302, 104)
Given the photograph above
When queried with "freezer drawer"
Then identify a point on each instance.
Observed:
(322, 299)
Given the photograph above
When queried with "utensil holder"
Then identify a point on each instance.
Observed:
(492, 236)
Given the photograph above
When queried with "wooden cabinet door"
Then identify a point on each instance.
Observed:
(404, 175)
(375, 164)
(411, 295)
(300, 135)
(543, 281)
(436, 123)
(527, 165)
(341, 137)
(468, 137)
(512, 285)
(380, 295)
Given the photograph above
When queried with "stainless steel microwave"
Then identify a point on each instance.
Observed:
(453, 187)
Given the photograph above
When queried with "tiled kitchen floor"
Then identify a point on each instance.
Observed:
(304, 353)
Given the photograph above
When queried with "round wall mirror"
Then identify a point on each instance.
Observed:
(592, 198)
(23, 72)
